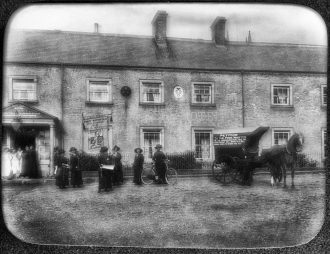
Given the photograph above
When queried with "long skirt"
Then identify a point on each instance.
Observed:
(161, 172)
(62, 177)
(137, 174)
(118, 175)
(105, 179)
(76, 178)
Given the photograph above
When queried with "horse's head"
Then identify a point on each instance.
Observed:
(295, 143)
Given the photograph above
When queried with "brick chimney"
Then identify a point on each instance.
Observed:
(159, 27)
(218, 29)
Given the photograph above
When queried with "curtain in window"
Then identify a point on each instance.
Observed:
(151, 93)
(24, 90)
(99, 92)
(281, 95)
(281, 138)
(202, 93)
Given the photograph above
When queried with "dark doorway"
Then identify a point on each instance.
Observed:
(24, 137)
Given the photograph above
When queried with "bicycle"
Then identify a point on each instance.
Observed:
(150, 176)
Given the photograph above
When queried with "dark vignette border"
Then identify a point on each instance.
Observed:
(10, 244)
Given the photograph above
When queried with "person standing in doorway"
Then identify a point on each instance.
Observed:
(35, 171)
(159, 159)
(118, 171)
(25, 162)
(76, 174)
(138, 166)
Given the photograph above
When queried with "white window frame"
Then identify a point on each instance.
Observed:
(290, 95)
(107, 83)
(144, 129)
(193, 101)
(323, 140)
(288, 129)
(34, 80)
(323, 103)
(193, 143)
(152, 81)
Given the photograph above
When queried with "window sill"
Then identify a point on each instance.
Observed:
(282, 107)
(323, 107)
(151, 104)
(203, 105)
(24, 101)
(95, 103)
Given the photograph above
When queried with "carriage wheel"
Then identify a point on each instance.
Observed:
(223, 172)
(147, 176)
(171, 175)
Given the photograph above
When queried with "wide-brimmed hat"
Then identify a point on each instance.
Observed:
(73, 150)
(103, 149)
(116, 148)
(158, 146)
(138, 149)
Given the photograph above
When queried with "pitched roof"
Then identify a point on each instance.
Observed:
(42, 46)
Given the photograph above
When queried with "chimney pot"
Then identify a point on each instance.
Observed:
(218, 29)
(159, 24)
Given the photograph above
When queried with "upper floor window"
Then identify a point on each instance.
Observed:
(99, 91)
(281, 136)
(324, 95)
(23, 89)
(281, 94)
(202, 93)
(151, 91)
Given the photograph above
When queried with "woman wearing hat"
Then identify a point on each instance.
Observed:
(118, 171)
(138, 165)
(105, 176)
(76, 175)
(62, 173)
(159, 159)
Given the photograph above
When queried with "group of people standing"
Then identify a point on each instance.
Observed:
(18, 163)
(64, 165)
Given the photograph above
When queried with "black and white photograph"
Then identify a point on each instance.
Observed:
(172, 125)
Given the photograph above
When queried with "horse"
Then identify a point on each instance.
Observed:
(279, 158)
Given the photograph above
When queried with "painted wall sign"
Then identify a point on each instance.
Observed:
(228, 139)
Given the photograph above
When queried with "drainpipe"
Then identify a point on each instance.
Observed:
(62, 101)
(243, 102)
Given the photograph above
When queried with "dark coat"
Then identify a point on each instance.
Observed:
(118, 170)
(76, 174)
(138, 167)
(105, 176)
(160, 165)
(62, 173)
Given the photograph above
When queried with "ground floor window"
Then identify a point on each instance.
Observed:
(150, 137)
(281, 136)
(202, 143)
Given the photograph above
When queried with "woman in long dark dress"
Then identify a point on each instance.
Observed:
(35, 171)
(138, 166)
(76, 174)
(25, 162)
(105, 176)
(62, 172)
(159, 159)
(118, 171)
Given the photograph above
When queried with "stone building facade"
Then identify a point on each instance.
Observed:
(99, 89)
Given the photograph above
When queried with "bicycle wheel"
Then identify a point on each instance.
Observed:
(147, 176)
(171, 175)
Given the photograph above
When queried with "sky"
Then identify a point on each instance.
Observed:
(267, 23)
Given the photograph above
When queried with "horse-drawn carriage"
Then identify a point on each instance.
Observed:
(236, 155)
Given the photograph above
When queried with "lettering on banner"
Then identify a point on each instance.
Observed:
(95, 139)
(228, 139)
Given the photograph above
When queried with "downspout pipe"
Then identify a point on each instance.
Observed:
(243, 101)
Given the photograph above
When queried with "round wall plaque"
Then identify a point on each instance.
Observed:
(178, 92)
(125, 91)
